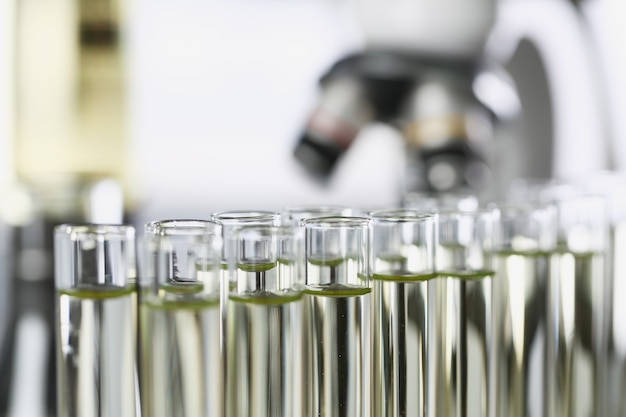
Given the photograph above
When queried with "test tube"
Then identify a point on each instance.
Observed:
(403, 264)
(181, 367)
(294, 215)
(525, 247)
(611, 186)
(264, 371)
(95, 320)
(231, 221)
(463, 341)
(579, 304)
(337, 302)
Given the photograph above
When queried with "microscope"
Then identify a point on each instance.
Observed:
(417, 73)
(477, 90)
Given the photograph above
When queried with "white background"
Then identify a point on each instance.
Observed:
(220, 93)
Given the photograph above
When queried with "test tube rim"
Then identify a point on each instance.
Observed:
(235, 217)
(401, 215)
(182, 227)
(78, 231)
(330, 222)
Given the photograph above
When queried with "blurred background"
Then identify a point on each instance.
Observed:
(119, 110)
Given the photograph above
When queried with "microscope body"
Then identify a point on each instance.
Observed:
(477, 90)
(416, 73)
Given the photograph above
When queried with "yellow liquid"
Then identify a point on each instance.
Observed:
(267, 298)
(399, 277)
(337, 346)
(97, 292)
(181, 364)
(96, 351)
(264, 346)
(337, 290)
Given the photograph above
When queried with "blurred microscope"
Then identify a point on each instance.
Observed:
(477, 91)
(65, 161)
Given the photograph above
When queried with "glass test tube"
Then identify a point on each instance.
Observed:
(589, 381)
(403, 263)
(264, 371)
(181, 366)
(294, 215)
(580, 308)
(463, 339)
(95, 320)
(525, 244)
(337, 301)
(610, 184)
(231, 221)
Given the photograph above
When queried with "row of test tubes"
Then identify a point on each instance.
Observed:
(438, 308)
